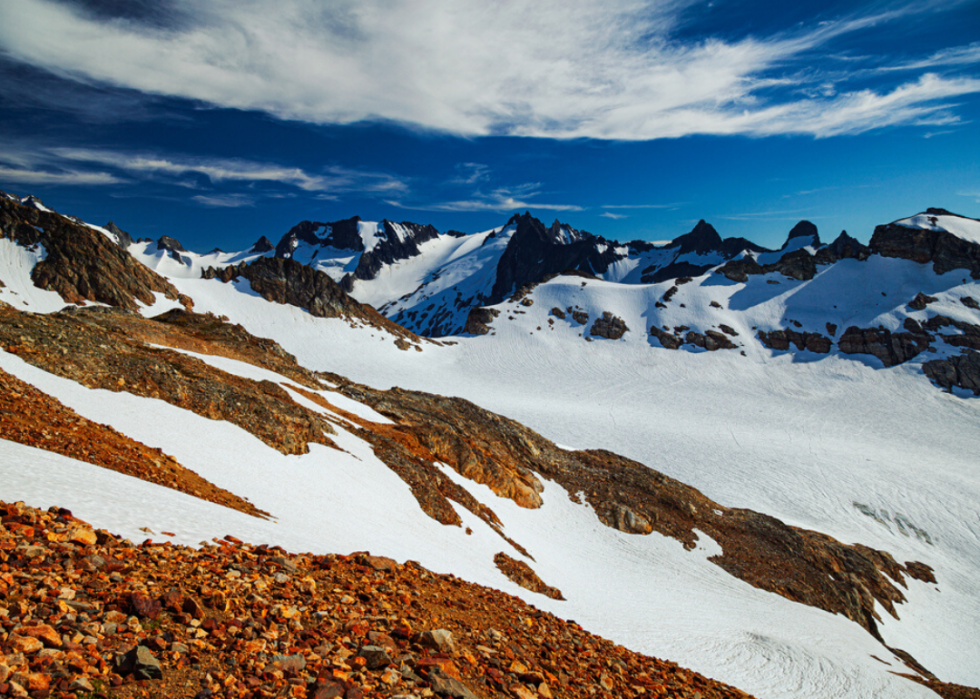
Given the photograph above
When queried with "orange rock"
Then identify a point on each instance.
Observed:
(83, 536)
(522, 692)
(24, 644)
(43, 633)
(33, 681)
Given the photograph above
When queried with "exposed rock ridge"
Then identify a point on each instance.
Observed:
(82, 264)
(287, 281)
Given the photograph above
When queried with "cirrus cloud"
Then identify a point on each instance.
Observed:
(608, 69)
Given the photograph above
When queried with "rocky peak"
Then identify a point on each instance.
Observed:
(262, 245)
(170, 244)
(123, 239)
(702, 239)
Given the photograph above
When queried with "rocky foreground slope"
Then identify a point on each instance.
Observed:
(85, 614)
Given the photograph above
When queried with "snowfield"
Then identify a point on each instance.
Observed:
(834, 443)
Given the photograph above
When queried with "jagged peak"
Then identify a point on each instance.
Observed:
(262, 245)
(804, 229)
(702, 239)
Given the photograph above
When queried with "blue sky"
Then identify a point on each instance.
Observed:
(217, 121)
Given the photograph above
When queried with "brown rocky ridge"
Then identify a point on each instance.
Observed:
(107, 348)
(82, 264)
(87, 615)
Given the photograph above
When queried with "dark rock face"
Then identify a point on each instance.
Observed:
(81, 263)
(391, 248)
(170, 244)
(798, 264)
(652, 275)
(609, 326)
(535, 252)
(345, 235)
(782, 339)
(962, 371)
(920, 301)
(891, 348)
(945, 250)
(479, 319)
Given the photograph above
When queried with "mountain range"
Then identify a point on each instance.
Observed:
(758, 463)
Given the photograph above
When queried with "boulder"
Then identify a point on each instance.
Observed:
(668, 341)
(920, 301)
(891, 348)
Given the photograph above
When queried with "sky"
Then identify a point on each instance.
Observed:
(219, 121)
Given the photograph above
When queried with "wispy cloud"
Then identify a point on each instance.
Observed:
(640, 206)
(780, 215)
(610, 69)
(957, 56)
(502, 199)
(67, 177)
(220, 170)
(615, 217)
(225, 201)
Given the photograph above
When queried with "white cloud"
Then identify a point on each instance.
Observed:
(614, 217)
(549, 68)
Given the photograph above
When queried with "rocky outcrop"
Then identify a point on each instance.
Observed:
(798, 265)
(262, 246)
(961, 371)
(82, 264)
(944, 250)
(782, 339)
(609, 326)
(478, 320)
(710, 340)
(668, 340)
(968, 335)
(739, 270)
(891, 348)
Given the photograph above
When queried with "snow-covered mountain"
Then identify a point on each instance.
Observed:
(793, 513)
